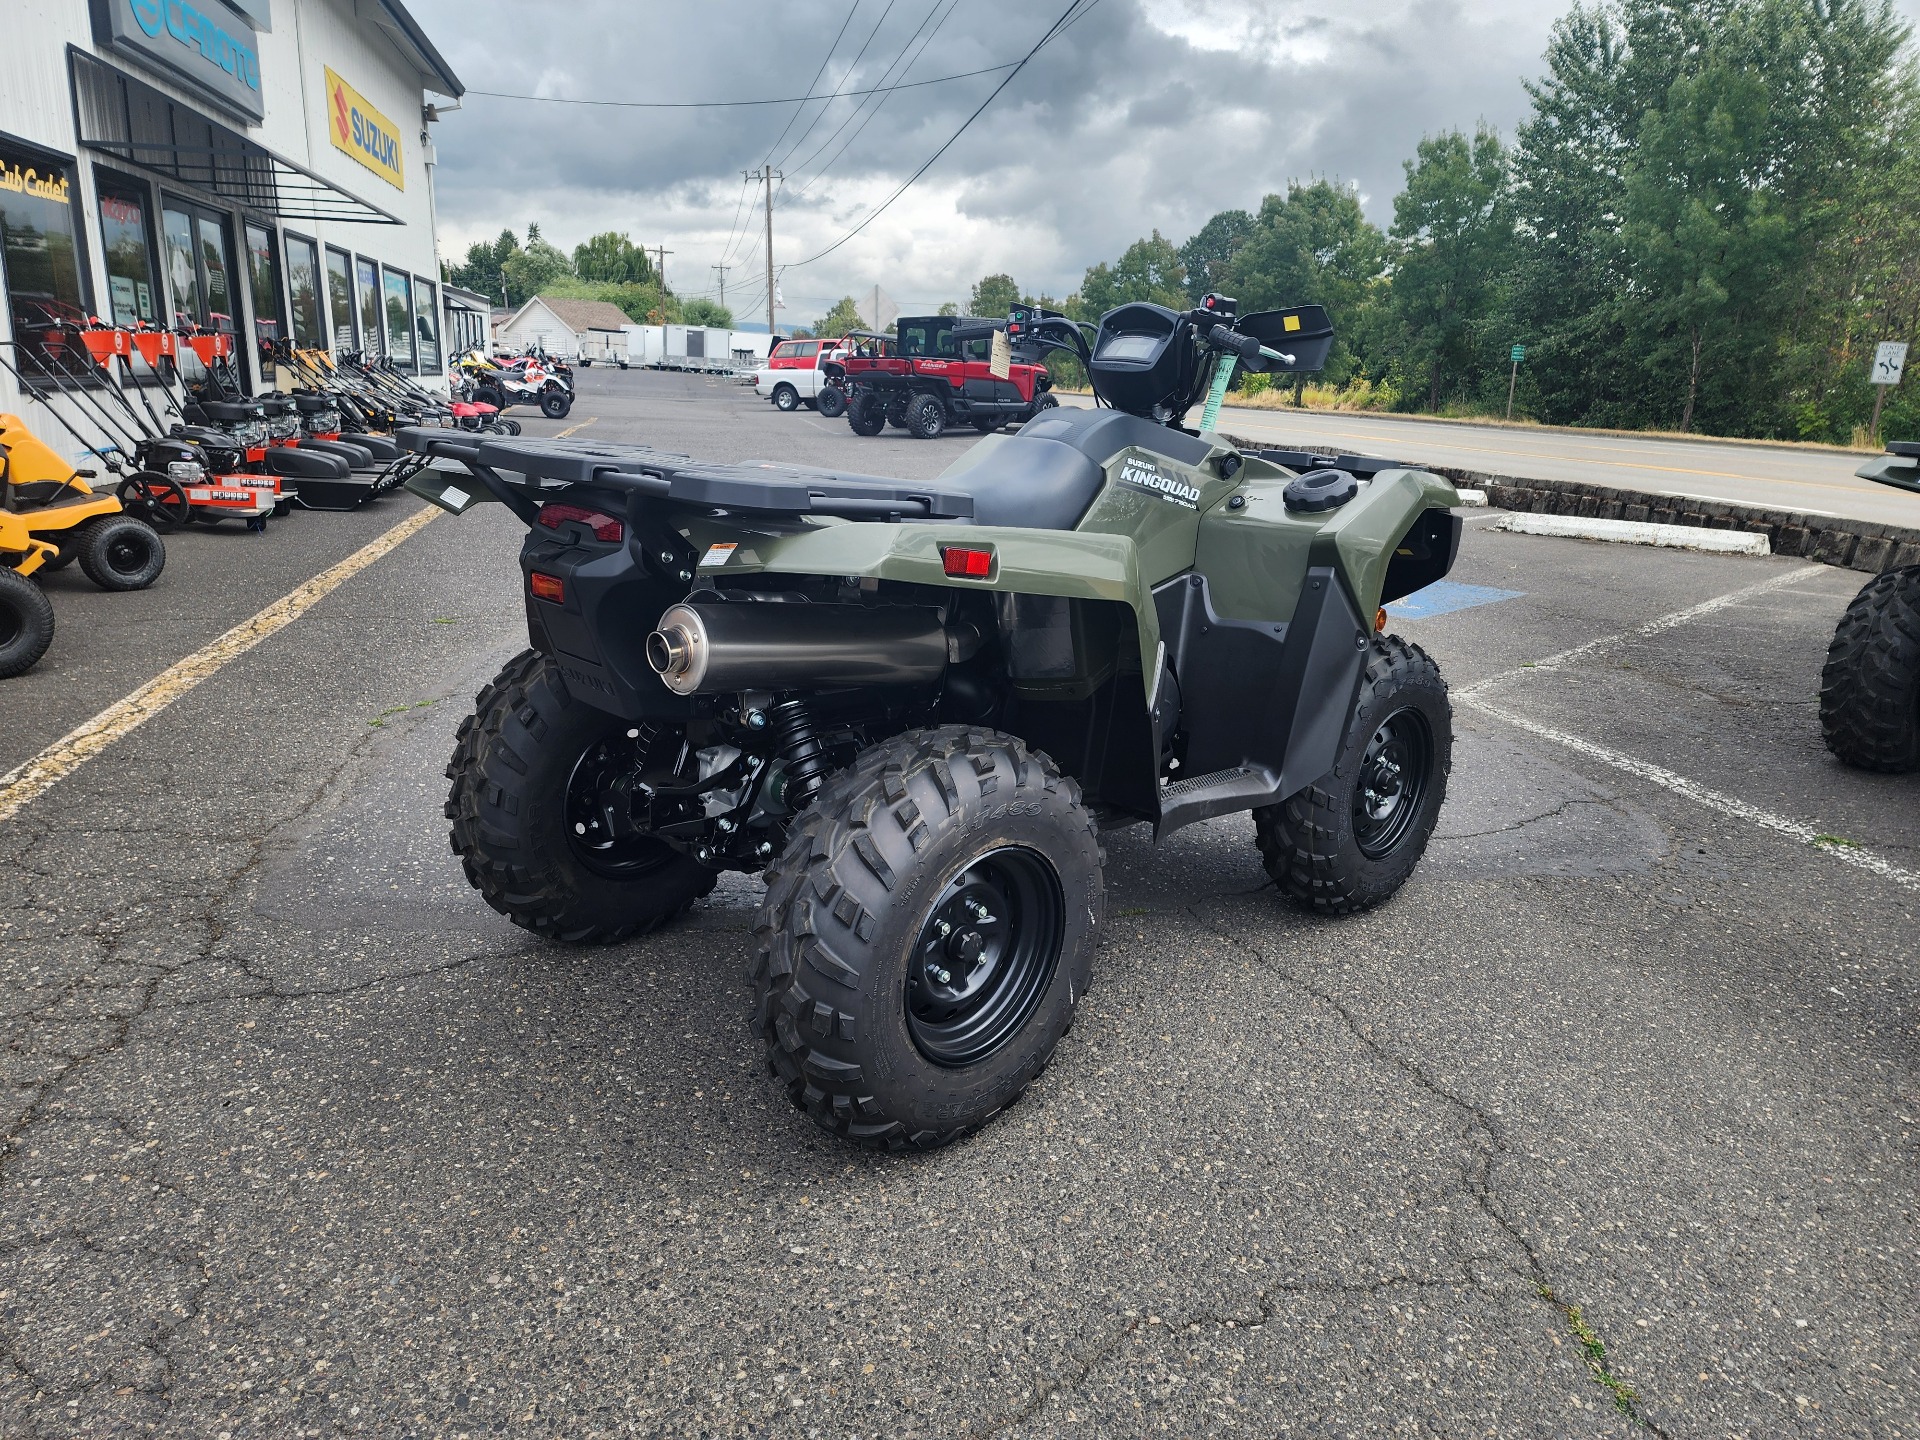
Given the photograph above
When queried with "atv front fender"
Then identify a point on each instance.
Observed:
(1360, 539)
(1025, 562)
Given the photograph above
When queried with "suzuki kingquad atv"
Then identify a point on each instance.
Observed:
(915, 706)
(1870, 688)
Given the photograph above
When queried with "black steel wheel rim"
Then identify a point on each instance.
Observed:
(984, 956)
(1394, 774)
(599, 807)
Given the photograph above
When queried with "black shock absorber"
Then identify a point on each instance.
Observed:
(802, 756)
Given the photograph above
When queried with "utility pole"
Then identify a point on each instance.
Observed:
(723, 282)
(660, 270)
(768, 174)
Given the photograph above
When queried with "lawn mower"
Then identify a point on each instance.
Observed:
(914, 706)
(1870, 687)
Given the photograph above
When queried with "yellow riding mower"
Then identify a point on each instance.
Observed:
(49, 516)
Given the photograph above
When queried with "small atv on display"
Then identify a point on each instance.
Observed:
(914, 707)
(1870, 688)
(937, 371)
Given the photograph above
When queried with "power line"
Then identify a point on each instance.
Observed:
(888, 95)
(825, 60)
(737, 207)
(1019, 65)
(736, 104)
(852, 70)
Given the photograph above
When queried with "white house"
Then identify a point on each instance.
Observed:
(566, 329)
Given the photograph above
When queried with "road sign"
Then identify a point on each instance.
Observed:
(1519, 353)
(1889, 362)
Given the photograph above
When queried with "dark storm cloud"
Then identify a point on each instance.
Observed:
(1144, 114)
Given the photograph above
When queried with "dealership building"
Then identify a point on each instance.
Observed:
(263, 168)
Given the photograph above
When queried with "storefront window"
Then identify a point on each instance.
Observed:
(399, 295)
(426, 327)
(183, 275)
(263, 279)
(303, 292)
(366, 277)
(41, 254)
(125, 236)
(340, 298)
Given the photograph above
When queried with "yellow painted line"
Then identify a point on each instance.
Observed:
(35, 777)
(581, 426)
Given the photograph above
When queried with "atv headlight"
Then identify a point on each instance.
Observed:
(185, 472)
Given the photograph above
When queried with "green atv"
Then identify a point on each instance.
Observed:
(915, 707)
(1870, 688)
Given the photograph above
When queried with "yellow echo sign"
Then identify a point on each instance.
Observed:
(363, 132)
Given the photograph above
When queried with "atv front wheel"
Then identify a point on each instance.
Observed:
(925, 936)
(555, 403)
(1870, 688)
(832, 402)
(119, 552)
(926, 417)
(866, 415)
(26, 624)
(1350, 840)
(533, 772)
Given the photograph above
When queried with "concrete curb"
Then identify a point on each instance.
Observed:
(1863, 545)
(1638, 532)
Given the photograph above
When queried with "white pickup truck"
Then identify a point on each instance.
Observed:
(793, 375)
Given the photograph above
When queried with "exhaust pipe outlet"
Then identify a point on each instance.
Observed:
(718, 648)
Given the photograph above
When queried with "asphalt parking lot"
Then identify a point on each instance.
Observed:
(1606, 1124)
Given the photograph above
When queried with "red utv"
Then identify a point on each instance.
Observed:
(939, 373)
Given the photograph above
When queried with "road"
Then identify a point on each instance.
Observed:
(304, 1140)
(1817, 482)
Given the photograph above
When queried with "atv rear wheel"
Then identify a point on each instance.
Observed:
(1870, 688)
(26, 624)
(119, 552)
(531, 769)
(926, 417)
(1350, 840)
(866, 415)
(831, 402)
(925, 936)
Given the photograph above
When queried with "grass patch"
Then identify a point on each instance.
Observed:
(444, 620)
(1595, 1349)
(1839, 842)
(379, 721)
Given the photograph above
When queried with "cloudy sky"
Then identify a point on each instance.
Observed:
(1141, 114)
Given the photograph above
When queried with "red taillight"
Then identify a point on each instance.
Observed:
(968, 564)
(548, 587)
(604, 527)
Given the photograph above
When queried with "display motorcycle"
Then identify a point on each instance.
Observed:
(914, 706)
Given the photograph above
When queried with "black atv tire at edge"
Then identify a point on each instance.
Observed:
(843, 909)
(831, 402)
(511, 761)
(26, 624)
(866, 415)
(1307, 841)
(1870, 685)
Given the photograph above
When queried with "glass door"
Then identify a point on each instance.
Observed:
(340, 298)
(263, 279)
(199, 265)
(366, 279)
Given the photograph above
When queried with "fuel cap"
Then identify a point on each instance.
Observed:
(1321, 490)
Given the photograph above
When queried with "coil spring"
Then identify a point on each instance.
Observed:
(801, 753)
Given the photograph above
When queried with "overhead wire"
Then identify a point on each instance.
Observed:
(1052, 30)
(885, 96)
(825, 60)
(852, 70)
(885, 76)
(733, 104)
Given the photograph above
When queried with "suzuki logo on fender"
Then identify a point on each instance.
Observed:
(1146, 476)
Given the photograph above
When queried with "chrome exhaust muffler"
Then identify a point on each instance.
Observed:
(743, 645)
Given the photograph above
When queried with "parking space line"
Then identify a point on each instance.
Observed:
(1728, 805)
(33, 778)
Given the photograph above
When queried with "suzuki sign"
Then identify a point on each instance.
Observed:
(198, 43)
(364, 133)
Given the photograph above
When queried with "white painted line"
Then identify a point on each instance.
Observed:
(1669, 621)
(1848, 854)
(1472, 497)
(1639, 532)
(28, 781)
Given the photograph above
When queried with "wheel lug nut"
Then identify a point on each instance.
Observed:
(943, 927)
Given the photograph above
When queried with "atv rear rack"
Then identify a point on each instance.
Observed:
(760, 485)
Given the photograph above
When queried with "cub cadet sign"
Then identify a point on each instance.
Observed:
(363, 132)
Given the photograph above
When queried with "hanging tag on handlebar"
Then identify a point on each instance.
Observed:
(1000, 357)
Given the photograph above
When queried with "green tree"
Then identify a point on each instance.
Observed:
(702, 311)
(529, 271)
(1209, 255)
(948, 307)
(1150, 270)
(482, 270)
(643, 303)
(1313, 246)
(993, 297)
(612, 256)
(1453, 225)
(844, 316)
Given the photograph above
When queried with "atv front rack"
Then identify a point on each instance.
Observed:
(758, 485)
